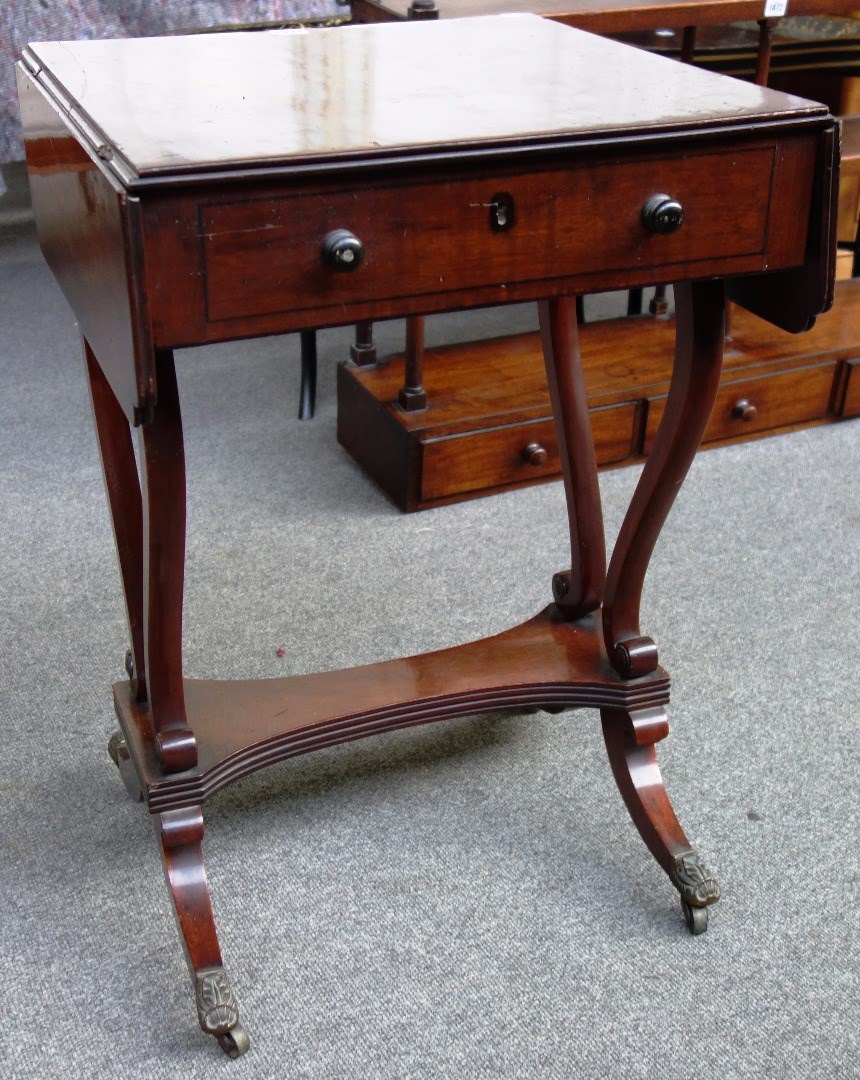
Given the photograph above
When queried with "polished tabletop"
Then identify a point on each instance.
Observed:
(170, 105)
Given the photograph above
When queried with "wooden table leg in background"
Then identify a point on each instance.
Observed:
(413, 396)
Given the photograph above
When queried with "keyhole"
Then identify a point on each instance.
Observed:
(502, 212)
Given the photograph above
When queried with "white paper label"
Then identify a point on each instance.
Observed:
(775, 9)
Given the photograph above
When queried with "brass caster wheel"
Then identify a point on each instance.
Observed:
(116, 741)
(696, 918)
(120, 756)
(234, 1042)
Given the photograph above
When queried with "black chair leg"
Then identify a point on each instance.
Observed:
(308, 391)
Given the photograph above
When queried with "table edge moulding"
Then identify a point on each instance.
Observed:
(170, 227)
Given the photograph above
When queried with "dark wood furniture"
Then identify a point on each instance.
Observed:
(602, 16)
(442, 434)
(231, 212)
(495, 432)
(848, 227)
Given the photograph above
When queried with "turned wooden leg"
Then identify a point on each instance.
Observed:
(180, 835)
(630, 739)
(688, 44)
(766, 28)
(413, 396)
(659, 305)
(699, 317)
(579, 590)
(363, 351)
(123, 492)
(162, 457)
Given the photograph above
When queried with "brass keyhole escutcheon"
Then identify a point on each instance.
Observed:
(502, 212)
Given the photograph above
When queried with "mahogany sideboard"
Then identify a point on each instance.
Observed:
(199, 189)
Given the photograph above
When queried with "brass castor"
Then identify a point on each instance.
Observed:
(234, 1042)
(120, 756)
(696, 918)
(116, 741)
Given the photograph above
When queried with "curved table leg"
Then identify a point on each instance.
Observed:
(579, 590)
(162, 456)
(180, 835)
(630, 739)
(700, 315)
(123, 492)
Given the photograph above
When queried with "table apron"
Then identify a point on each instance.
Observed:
(228, 263)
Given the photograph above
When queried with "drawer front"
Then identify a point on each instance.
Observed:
(759, 404)
(496, 457)
(264, 256)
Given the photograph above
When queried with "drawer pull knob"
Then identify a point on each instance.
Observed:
(534, 454)
(343, 251)
(662, 214)
(744, 410)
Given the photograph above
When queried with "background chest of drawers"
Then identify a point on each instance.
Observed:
(470, 441)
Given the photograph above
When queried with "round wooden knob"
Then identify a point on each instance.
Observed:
(662, 214)
(534, 454)
(343, 251)
(744, 410)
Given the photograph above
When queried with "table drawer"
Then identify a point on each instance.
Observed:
(263, 256)
(759, 404)
(515, 453)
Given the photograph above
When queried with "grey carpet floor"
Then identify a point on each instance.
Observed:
(461, 900)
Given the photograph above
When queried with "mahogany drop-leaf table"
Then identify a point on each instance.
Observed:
(199, 189)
